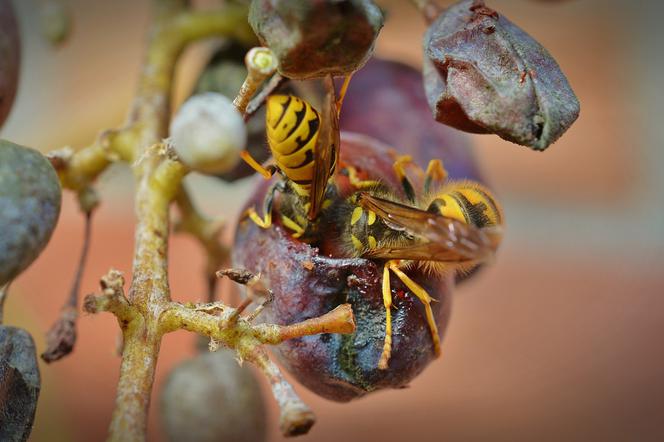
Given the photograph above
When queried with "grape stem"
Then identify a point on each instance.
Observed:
(146, 312)
(223, 325)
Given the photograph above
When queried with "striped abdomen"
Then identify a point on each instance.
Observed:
(292, 131)
(468, 202)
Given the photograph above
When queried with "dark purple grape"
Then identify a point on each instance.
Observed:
(308, 283)
(386, 101)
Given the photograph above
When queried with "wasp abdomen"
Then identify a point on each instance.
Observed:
(292, 133)
(468, 202)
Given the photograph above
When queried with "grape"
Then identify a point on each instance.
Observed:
(224, 74)
(29, 207)
(315, 38)
(211, 398)
(307, 283)
(10, 48)
(208, 133)
(19, 383)
(484, 74)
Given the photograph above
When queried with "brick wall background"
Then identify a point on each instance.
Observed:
(559, 340)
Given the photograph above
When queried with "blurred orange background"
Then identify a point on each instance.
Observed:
(559, 340)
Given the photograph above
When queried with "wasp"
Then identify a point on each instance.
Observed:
(447, 227)
(451, 226)
(305, 151)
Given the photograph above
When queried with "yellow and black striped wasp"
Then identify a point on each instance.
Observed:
(305, 151)
(451, 226)
(448, 227)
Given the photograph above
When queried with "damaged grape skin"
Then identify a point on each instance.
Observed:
(318, 37)
(307, 283)
(483, 74)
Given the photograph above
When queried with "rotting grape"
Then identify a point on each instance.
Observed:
(318, 37)
(484, 74)
(211, 398)
(29, 207)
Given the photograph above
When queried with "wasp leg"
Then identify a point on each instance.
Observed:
(400, 172)
(435, 172)
(267, 172)
(424, 297)
(387, 302)
(266, 221)
(292, 225)
(356, 182)
(342, 92)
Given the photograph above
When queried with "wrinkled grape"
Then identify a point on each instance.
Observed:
(317, 37)
(484, 74)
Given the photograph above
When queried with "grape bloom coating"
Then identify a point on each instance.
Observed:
(29, 207)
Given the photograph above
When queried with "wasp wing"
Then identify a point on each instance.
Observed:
(326, 153)
(441, 238)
